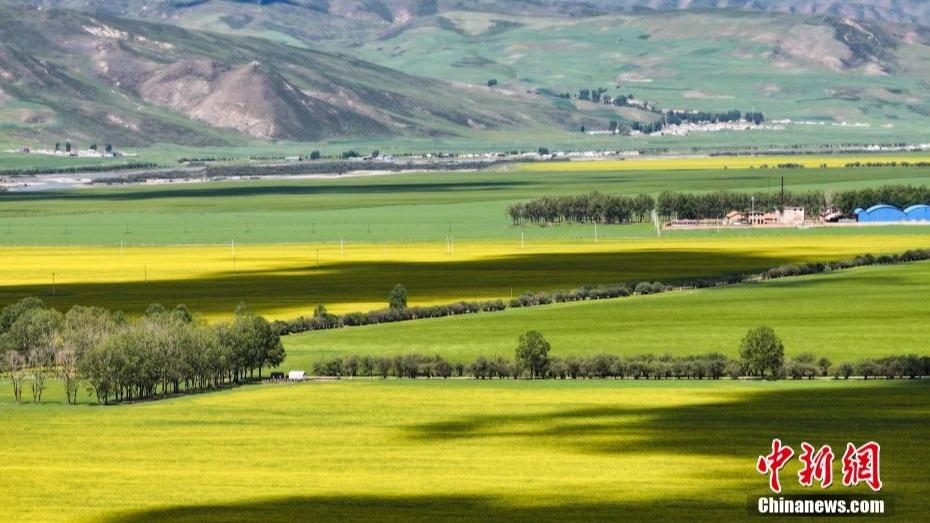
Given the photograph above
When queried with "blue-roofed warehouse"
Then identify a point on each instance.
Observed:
(889, 213)
(918, 213)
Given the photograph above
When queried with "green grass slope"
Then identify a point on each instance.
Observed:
(826, 71)
(844, 316)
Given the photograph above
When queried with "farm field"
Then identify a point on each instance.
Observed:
(725, 162)
(372, 450)
(285, 281)
(845, 316)
(390, 208)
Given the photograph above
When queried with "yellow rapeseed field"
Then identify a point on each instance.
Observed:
(284, 281)
(716, 162)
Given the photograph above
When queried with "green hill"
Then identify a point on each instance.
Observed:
(803, 311)
(829, 73)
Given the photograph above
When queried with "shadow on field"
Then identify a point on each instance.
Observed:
(277, 189)
(428, 509)
(892, 413)
(341, 282)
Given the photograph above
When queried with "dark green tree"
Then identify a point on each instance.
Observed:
(533, 353)
(397, 298)
(763, 352)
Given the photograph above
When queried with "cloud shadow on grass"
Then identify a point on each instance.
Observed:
(425, 509)
(370, 281)
(142, 193)
(889, 412)
(894, 414)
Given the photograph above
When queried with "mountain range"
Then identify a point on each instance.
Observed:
(214, 72)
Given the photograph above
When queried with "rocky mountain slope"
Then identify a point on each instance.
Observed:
(106, 78)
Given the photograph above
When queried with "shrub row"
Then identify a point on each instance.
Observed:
(78, 169)
(801, 269)
(323, 320)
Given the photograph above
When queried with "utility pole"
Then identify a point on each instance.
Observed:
(341, 247)
(522, 240)
(53, 284)
(783, 194)
(595, 232)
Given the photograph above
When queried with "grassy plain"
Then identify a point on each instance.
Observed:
(284, 281)
(395, 208)
(447, 450)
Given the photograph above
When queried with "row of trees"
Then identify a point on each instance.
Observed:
(716, 204)
(801, 269)
(118, 359)
(606, 208)
(900, 196)
(399, 311)
(593, 207)
(762, 354)
(602, 208)
(696, 117)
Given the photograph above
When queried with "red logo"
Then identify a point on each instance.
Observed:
(817, 465)
(774, 462)
(860, 465)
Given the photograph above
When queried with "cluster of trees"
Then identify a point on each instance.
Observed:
(592, 95)
(898, 195)
(696, 206)
(607, 208)
(762, 354)
(593, 208)
(118, 359)
(717, 204)
(696, 117)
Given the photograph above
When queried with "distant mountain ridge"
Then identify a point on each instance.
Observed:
(352, 14)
